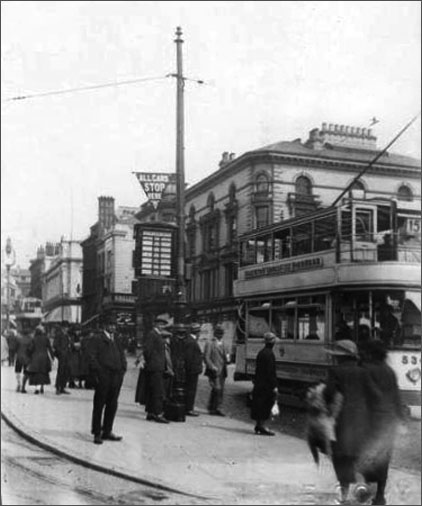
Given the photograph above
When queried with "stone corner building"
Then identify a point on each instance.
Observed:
(271, 184)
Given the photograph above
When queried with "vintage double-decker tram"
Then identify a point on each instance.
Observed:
(29, 314)
(345, 272)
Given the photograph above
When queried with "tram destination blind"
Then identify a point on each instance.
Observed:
(156, 253)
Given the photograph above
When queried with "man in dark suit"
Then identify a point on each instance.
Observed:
(108, 365)
(193, 367)
(155, 365)
(62, 347)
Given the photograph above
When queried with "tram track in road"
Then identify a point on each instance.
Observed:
(32, 474)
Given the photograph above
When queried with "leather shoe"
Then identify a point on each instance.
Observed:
(64, 392)
(111, 437)
(192, 413)
(150, 417)
(218, 413)
(160, 419)
(98, 440)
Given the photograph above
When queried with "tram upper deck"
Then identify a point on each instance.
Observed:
(358, 243)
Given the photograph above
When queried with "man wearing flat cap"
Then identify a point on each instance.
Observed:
(215, 357)
(155, 364)
(193, 366)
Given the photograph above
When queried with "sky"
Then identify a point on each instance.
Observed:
(272, 71)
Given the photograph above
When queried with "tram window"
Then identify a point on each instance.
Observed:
(282, 244)
(364, 225)
(324, 233)
(248, 252)
(283, 323)
(260, 251)
(302, 239)
(258, 323)
(346, 225)
(264, 249)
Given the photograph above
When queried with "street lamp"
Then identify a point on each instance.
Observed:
(9, 261)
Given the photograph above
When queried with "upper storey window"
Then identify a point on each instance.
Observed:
(262, 184)
(303, 186)
(405, 193)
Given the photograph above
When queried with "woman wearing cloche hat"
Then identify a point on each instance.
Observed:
(265, 385)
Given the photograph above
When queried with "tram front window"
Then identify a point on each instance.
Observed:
(394, 316)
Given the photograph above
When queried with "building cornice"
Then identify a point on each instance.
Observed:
(272, 157)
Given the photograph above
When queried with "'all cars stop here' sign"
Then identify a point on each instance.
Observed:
(154, 183)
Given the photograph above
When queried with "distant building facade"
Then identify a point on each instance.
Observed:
(108, 273)
(62, 284)
(38, 266)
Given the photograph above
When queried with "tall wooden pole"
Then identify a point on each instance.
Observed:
(180, 188)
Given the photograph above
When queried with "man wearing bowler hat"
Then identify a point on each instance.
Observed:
(193, 366)
(108, 364)
(155, 365)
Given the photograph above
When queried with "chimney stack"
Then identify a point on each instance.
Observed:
(106, 211)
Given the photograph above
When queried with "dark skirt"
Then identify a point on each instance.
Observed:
(262, 402)
(39, 378)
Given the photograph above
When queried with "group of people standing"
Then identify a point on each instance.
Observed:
(35, 351)
(171, 362)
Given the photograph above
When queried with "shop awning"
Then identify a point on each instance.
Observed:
(59, 314)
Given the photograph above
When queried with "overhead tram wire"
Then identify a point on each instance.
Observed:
(372, 162)
(84, 88)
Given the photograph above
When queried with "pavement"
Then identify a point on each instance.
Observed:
(210, 459)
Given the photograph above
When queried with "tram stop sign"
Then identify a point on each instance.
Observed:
(154, 183)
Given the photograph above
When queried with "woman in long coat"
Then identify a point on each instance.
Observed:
(386, 414)
(354, 420)
(40, 365)
(23, 358)
(265, 385)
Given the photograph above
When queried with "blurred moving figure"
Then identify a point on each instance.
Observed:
(385, 415)
(354, 420)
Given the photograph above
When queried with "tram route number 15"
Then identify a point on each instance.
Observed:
(413, 226)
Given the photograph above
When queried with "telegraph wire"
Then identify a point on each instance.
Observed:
(84, 88)
(362, 172)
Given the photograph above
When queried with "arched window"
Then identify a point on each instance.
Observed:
(303, 186)
(358, 190)
(262, 184)
(405, 193)
(211, 201)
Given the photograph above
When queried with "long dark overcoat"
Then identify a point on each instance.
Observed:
(265, 382)
(386, 411)
(354, 420)
(40, 364)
